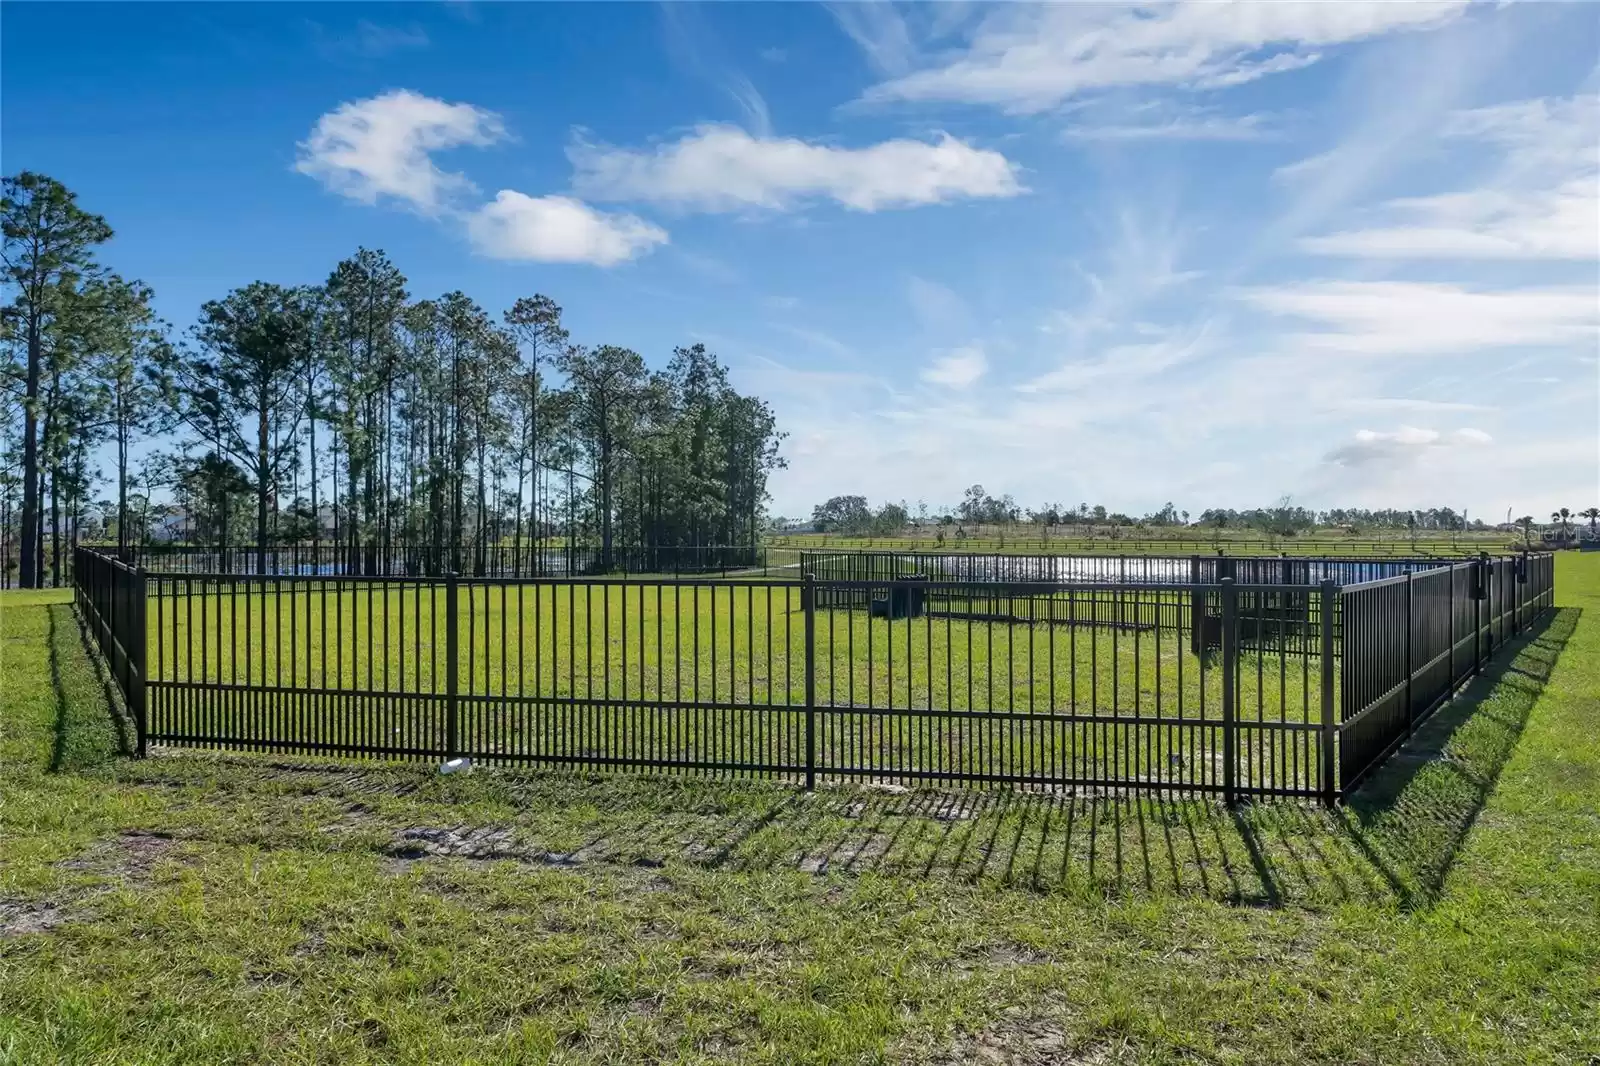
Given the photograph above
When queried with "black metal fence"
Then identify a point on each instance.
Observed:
(1103, 686)
(1410, 641)
(1103, 569)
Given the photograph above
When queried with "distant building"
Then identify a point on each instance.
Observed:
(170, 526)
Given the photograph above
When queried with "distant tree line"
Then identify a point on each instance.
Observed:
(346, 412)
(854, 515)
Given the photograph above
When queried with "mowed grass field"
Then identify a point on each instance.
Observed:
(716, 673)
(1154, 542)
(206, 908)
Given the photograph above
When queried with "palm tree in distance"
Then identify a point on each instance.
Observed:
(1593, 515)
(1526, 522)
(1566, 521)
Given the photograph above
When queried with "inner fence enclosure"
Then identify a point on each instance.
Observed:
(1241, 677)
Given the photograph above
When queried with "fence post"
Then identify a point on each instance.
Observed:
(1522, 592)
(1197, 609)
(1409, 617)
(808, 603)
(1330, 790)
(1477, 613)
(452, 738)
(1230, 655)
(139, 652)
(1450, 616)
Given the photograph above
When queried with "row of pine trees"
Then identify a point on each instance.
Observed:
(347, 412)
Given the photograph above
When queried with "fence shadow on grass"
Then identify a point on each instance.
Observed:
(1411, 819)
(1392, 844)
(85, 732)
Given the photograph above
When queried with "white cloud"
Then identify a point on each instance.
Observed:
(1402, 317)
(1252, 127)
(1543, 203)
(1403, 445)
(724, 168)
(558, 229)
(1030, 58)
(957, 369)
(380, 148)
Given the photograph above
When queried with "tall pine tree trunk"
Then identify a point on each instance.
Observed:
(28, 576)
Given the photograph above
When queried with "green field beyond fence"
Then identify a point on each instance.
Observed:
(714, 676)
(1185, 541)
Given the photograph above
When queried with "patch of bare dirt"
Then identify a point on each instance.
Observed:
(126, 859)
(482, 844)
(850, 854)
(19, 918)
(462, 842)
(1020, 1040)
(129, 857)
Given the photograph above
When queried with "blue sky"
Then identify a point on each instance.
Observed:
(1213, 253)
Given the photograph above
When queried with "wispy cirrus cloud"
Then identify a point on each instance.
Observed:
(1031, 58)
(880, 31)
(1427, 318)
(1542, 202)
(696, 48)
(1255, 126)
(368, 40)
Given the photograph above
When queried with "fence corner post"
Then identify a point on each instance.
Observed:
(1410, 668)
(1480, 594)
(1329, 732)
(140, 649)
(1230, 673)
(808, 603)
(452, 726)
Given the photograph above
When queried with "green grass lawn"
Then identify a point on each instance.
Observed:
(205, 908)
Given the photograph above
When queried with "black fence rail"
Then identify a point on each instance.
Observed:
(1104, 686)
(518, 561)
(1122, 570)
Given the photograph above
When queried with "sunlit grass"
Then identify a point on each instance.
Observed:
(200, 908)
